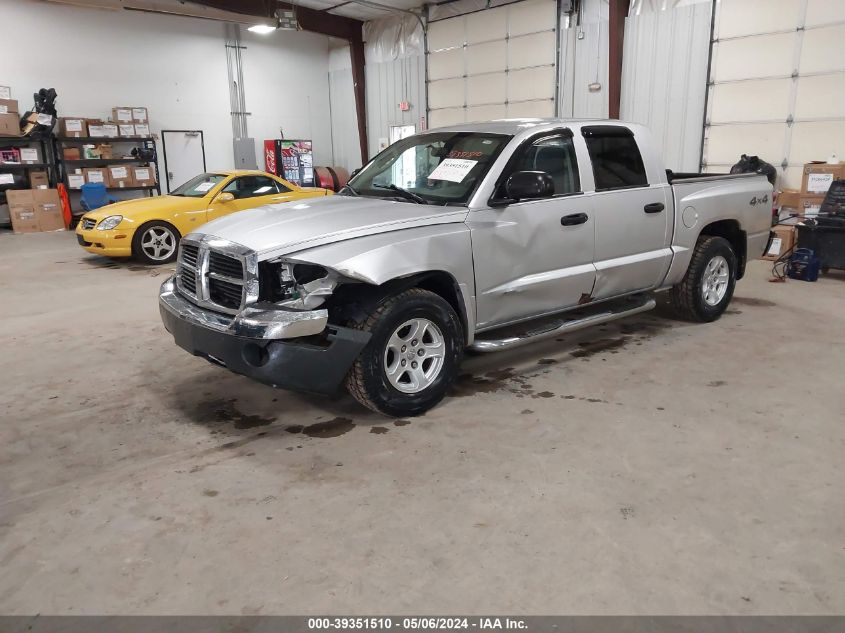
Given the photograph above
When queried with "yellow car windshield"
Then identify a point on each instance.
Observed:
(198, 186)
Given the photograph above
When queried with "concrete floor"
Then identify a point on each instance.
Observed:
(648, 467)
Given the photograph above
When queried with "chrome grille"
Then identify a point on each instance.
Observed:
(189, 254)
(217, 274)
(88, 224)
(189, 283)
(225, 293)
(226, 266)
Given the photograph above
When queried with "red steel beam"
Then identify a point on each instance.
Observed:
(616, 29)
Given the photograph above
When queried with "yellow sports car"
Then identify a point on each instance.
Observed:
(150, 228)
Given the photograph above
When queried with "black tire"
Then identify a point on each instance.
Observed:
(687, 297)
(367, 380)
(138, 250)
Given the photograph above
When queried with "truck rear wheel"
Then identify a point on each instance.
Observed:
(413, 356)
(708, 286)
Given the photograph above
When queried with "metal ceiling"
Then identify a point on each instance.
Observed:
(356, 9)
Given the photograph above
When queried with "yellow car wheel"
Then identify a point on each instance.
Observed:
(156, 242)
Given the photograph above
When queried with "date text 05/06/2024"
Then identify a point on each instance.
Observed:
(416, 623)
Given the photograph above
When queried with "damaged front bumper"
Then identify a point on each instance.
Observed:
(290, 349)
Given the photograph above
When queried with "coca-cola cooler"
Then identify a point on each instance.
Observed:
(290, 159)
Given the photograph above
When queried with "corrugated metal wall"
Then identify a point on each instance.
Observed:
(389, 83)
(584, 62)
(664, 79)
(346, 151)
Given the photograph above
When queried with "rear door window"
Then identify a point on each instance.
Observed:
(617, 162)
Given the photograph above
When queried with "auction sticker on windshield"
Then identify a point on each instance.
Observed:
(453, 169)
(204, 186)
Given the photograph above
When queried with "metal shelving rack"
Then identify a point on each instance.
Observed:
(68, 165)
(47, 164)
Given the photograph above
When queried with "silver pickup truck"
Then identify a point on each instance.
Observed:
(479, 236)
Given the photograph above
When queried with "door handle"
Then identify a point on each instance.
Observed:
(654, 207)
(573, 218)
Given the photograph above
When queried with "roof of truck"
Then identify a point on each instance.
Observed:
(515, 126)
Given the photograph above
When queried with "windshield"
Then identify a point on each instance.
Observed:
(436, 168)
(198, 186)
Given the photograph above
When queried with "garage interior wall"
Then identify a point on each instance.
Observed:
(395, 73)
(664, 76)
(175, 66)
(344, 119)
(584, 62)
(777, 84)
(493, 63)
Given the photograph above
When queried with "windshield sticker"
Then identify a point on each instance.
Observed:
(471, 155)
(204, 186)
(262, 189)
(453, 170)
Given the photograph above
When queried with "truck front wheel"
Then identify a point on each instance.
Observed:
(708, 286)
(413, 356)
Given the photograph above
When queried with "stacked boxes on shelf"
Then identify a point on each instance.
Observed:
(9, 116)
(797, 205)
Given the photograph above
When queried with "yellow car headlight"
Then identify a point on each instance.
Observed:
(109, 222)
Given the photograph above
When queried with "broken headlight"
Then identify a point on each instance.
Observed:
(295, 284)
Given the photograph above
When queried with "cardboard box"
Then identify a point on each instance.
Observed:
(71, 153)
(96, 174)
(22, 209)
(809, 206)
(30, 155)
(8, 106)
(39, 180)
(24, 219)
(10, 125)
(73, 127)
(75, 181)
(818, 177)
(144, 176)
(122, 114)
(48, 208)
(120, 176)
(104, 151)
(142, 130)
(5, 92)
(783, 241)
(126, 129)
(104, 130)
(789, 198)
(140, 115)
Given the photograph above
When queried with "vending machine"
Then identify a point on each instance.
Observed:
(290, 159)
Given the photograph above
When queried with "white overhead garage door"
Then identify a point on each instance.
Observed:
(493, 63)
(777, 84)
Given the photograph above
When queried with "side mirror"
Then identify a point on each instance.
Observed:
(225, 197)
(530, 184)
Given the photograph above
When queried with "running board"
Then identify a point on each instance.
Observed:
(564, 326)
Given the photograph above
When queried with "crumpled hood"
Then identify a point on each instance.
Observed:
(278, 229)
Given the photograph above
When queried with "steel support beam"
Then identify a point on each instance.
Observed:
(616, 30)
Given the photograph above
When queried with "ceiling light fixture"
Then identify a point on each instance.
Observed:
(285, 19)
(263, 29)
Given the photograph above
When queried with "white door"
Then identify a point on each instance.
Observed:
(184, 156)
